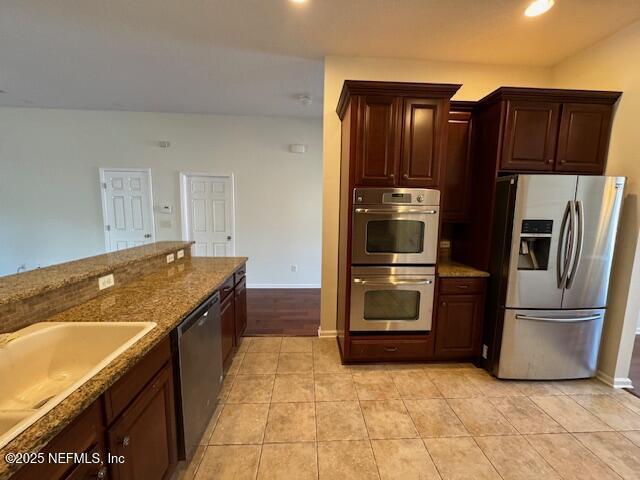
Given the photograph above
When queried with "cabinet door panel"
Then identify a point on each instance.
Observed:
(459, 325)
(583, 140)
(423, 132)
(228, 327)
(84, 435)
(240, 309)
(457, 177)
(530, 136)
(377, 146)
(145, 433)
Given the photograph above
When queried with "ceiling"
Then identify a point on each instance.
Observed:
(257, 56)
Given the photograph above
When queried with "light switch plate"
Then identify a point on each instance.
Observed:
(170, 258)
(180, 254)
(106, 281)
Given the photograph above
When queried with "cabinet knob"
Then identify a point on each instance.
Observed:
(102, 473)
(550, 160)
(391, 349)
(391, 175)
(444, 304)
(126, 441)
(405, 176)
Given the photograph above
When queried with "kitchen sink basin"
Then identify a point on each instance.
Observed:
(44, 363)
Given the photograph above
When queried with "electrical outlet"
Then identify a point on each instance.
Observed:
(180, 254)
(106, 281)
(294, 268)
(170, 258)
(485, 351)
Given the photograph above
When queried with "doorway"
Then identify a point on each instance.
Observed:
(127, 207)
(207, 214)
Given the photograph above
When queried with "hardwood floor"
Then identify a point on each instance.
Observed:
(283, 311)
(634, 372)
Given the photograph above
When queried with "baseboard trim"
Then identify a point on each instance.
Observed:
(283, 285)
(327, 333)
(618, 382)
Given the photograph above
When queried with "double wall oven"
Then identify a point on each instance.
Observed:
(394, 248)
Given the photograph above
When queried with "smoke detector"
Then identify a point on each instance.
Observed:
(305, 100)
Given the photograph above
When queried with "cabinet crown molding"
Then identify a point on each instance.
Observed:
(551, 95)
(395, 89)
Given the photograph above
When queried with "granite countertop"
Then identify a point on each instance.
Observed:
(165, 297)
(449, 268)
(28, 284)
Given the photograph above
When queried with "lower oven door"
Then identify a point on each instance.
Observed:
(391, 299)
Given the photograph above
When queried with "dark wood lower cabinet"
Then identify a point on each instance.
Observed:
(137, 424)
(459, 318)
(144, 437)
(240, 301)
(85, 435)
(228, 327)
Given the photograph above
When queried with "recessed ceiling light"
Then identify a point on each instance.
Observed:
(538, 7)
(298, 1)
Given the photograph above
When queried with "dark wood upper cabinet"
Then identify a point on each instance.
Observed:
(423, 141)
(377, 146)
(398, 137)
(583, 138)
(531, 130)
(456, 186)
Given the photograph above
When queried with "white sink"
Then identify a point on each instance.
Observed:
(44, 363)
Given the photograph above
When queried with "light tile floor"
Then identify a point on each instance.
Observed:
(290, 410)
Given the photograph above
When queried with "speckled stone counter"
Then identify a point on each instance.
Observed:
(454, 269)
(165, 297)
(34, 282)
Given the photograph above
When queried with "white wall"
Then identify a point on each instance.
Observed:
(612, 64)
(50, 207)
(477, 80)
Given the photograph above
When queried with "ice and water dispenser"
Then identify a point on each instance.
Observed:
(535, 242)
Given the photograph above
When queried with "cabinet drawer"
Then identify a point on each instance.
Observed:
(127, 388)
(390, 349)
(240, 274)
(462, 285)
(227, 287)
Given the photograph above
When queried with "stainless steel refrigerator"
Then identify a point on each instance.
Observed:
(552, 248)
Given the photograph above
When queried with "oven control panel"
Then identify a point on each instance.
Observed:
(396, 196)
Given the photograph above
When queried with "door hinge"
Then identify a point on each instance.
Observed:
(107, 228)
(103, 185)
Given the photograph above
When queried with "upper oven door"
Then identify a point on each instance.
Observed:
(395, 235)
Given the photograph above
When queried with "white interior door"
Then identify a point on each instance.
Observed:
(208, 208)
(127, 206)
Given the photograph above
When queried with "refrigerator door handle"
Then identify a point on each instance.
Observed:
(565, 245)
(579, 214)
(588, 318)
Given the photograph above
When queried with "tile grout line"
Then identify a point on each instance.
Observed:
(422, 439)
(604, 462)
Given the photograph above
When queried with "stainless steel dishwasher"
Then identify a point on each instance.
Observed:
(198, 350)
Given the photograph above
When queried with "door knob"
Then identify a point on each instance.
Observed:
(147, 235)
(228, 237)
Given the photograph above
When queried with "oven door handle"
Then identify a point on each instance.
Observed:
(420, 281)
(399, 212)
